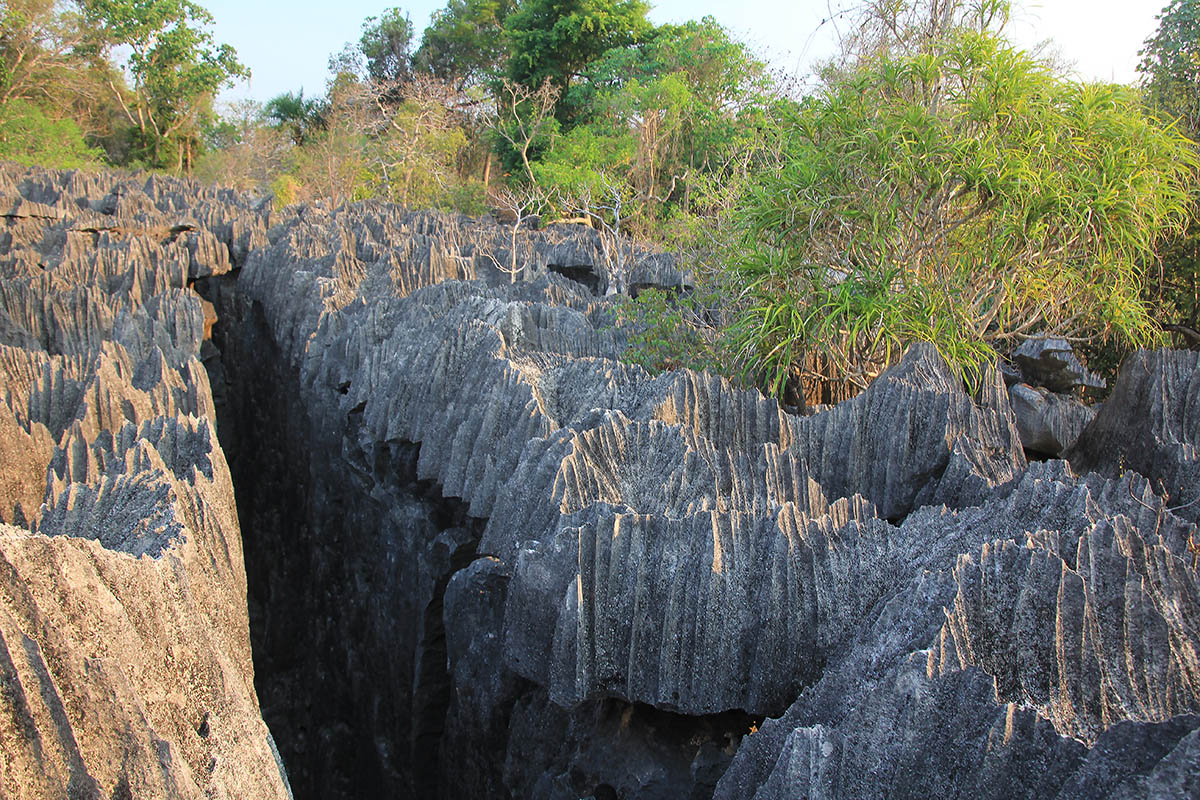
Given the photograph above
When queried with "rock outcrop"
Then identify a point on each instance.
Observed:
(1051, 362)
(487, 558)
(1059, 645)
(1048, 423)
(1150, 424)
(124, 647)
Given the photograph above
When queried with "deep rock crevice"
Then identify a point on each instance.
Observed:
(479, 556)
(348, 557)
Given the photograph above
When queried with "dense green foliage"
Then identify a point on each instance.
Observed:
(300, 116)
(136, 77)
(682, 108)
(1171, 62)
(386, 44)
(465, 42)
(1170, 70)
(28, 136)
(53, 84)
(554, 41)
(967, 197)
(176, 70)
(940, 186)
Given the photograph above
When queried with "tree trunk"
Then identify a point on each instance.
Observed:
(525, 161)
(512, 252)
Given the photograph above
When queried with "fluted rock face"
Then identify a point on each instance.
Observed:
(670, 542)
(486, 558)
(124, 646)
(1150, 424)
(674, 543)
(1074, 629)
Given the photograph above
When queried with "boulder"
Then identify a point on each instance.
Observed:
(1048, 423)
(1051, 362)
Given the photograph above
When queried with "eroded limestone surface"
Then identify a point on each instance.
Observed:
(486, 558)
(125, 653)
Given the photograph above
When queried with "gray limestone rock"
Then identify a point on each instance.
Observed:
(675, 543)
(1013, 669)
(1150, 423)
(488, 558)
(124, 646)
(1051, 362)
(1048, 423)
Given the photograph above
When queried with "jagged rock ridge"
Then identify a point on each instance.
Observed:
(489, 559)
(124, 646)
(677, 543)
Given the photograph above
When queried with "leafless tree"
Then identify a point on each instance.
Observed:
(420, 134)
(398, 142)
(522, 205)
(522, 115)
(607, 214)
(38, 57)
(257, 153)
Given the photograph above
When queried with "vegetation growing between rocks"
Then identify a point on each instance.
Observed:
(939, 185)
(966, 197)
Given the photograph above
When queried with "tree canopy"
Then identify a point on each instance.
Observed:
(1170, 64)
(465, 42)
(551, 40)
(1170, 70)
(387, 43)
(175, 66)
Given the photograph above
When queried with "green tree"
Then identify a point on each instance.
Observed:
(175, 67)
(1170, 70)
(553, 40)
(967, 197)
(29, 136)
(581, 162)
(296, 114)
(664, 117)
(1170, 65)
(49, 58)
(386, 44)
(464, 43)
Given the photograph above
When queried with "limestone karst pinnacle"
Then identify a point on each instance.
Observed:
(485, 558)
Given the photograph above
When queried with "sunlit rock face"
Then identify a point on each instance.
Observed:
(486, 558)
(125, 652)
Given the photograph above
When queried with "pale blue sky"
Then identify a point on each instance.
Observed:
(287, 44)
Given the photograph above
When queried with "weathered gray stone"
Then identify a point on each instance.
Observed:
(1150, 423)
(491, 559)
(1016, 654)
(124, 645)
(1051, 362)
(1048, 423)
